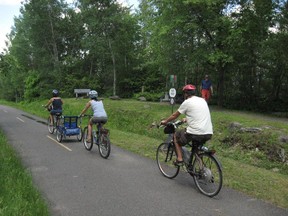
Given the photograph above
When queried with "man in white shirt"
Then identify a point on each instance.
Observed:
(198, 119)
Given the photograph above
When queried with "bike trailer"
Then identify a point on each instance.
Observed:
(71, 125)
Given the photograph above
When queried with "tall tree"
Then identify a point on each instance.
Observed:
(39, 30)
(108, 39)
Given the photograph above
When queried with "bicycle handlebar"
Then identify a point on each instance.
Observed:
(176, 124)
(46, 107)
(86, 115)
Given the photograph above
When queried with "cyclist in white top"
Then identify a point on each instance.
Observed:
(99, 113)
(197, 117)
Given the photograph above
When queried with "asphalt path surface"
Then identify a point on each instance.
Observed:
(76, 182)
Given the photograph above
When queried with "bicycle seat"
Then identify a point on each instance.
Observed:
(199, 143)
(58, 114)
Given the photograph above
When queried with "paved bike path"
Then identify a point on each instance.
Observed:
(77, 182)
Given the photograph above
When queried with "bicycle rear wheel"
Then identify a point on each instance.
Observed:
(104, 146)
(207, 174)
(50, 125)
(59, 135)
(165, 157)
(88, 145)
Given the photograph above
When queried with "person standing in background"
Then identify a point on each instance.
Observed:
(206, 88)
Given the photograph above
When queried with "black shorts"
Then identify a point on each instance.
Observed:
(183, 138)
(54, 112)
(96, 120)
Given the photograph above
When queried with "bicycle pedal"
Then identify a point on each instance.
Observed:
(178, 163)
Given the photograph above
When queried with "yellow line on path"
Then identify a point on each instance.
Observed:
(59, 143)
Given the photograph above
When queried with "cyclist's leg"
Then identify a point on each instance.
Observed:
(179, 140)
(90, 125)
(178, 150)
(52, 117)
(50, 123)
(88, 145)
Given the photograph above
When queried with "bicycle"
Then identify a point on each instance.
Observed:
(200, 162)
(53, 123)
(99, 137)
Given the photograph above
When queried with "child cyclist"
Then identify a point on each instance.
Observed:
(54, 105)
(99, 113)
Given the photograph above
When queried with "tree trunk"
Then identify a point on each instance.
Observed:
(54, 45)
(220, 87)
(114, 67)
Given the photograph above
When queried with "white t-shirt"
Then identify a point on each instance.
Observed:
(197, 115)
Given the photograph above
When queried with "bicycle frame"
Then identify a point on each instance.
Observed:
(194, 155)
(56, 120)
(99, 127)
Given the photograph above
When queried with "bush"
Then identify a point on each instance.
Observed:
(155, 97)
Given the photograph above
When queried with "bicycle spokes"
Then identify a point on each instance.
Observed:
(207, 174)
(165, 156)
(104, 145)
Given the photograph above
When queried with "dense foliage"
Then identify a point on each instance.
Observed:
(104, 45)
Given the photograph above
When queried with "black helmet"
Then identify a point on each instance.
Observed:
(55, 93)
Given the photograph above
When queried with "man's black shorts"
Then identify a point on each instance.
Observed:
(183, 138)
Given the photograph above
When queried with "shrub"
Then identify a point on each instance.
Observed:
(155, 97)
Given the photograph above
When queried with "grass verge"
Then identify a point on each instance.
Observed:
(17, 193)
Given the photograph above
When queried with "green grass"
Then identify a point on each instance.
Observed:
(17, 193)
(250, 161)
(256, 182)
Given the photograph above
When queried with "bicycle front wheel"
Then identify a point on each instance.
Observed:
(165, 157)
(50, 125)
(88, 145)
(79, 136)
(207, 174)
(104, 146)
